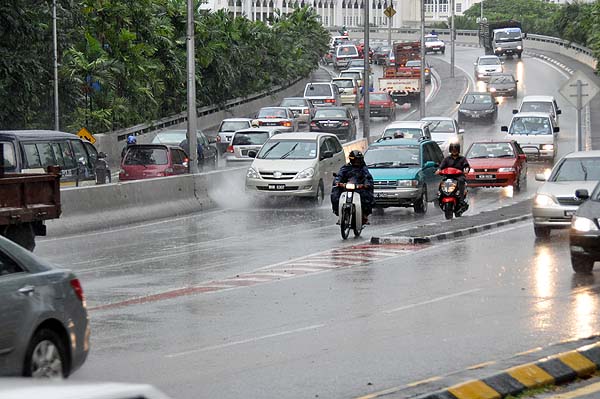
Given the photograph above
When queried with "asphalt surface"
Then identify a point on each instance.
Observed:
(266, 300)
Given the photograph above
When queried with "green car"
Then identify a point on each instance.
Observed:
(404, 172)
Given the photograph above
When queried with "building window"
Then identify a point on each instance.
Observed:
(428, 5)
(458, 7)
(326, 20)
(443, 7)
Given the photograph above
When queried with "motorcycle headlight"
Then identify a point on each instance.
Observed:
(583, 225)
(543, 200)
(506, 169)
(408, 183)
(306, 174)
(252, 174)
(448, 186)
(548, 147)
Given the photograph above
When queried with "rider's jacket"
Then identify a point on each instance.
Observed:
(360, 174)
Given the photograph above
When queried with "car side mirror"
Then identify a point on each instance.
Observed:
(582, 194)
(504, 129)
(461, 131)
(515, 111)
(540, 177)
(516, 81)
(458, 102)
(326, 155)
(430, 164)
(558, 112)
(556, 129)
(252, 154)
(497, 102)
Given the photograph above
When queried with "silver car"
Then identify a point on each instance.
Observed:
(555, 202)
(226, 130)
(301, 107)
(298, 164)
(246, 140)
(444, 131)
(486, 66)
(44, 327)
(281, 118)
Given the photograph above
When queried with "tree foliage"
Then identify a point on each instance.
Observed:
(123, 62)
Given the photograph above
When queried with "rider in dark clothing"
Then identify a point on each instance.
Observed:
(355, 171)
(457, 161)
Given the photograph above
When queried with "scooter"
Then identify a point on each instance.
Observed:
(448, 193)
(350, 210)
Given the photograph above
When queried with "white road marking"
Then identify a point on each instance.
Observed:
(245, 341)
(563, 73)
(442, 298)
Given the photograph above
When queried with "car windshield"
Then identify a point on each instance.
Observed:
(350, 74)
(442, 126)
(378, 97)
(250, 138)
(330, 113)
(231, 126)
(288, 149)
(432, 39)
(413, 63)
(170, 137)
(293, 102)
(403, 133)
(344, 83)
(477, 99)
(505, 36)
(272, 113)
(489, 61)
(392, 157)
(356, 63)
(530, 125)
(490, 150)
(383, 50)
(536, 106)
(146, 156)
(347, 51)
(9, 156)
(502, 79)
(318, 90)
(577, 169)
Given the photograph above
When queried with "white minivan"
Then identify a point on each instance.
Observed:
(540, 104)
(536, 133)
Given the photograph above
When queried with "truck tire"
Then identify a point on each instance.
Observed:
(21, 234)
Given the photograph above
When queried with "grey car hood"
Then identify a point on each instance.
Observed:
(565, 188)
(475, 107)
(283, 165)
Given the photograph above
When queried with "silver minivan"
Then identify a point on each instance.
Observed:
(246, 140)
(295, 164)
(323, 94)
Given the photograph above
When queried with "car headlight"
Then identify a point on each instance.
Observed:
(498, 48)
(306, 174)
(583, 225)
(448, 186)
(487, 111)
(544, 200)
(252, 174)
(506, 169)
(548, 147)
(519, 47)
(492, 89)
(408, 183)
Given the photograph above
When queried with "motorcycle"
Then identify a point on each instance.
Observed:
(350, 210)
(448, 193)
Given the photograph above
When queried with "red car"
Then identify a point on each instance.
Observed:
(381, 104)
(146, 161)
(496, 164)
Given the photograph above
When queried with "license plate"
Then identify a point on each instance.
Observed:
(485, 177)
(270, 124)
(276, 186)
(570, 213)
(475, 115)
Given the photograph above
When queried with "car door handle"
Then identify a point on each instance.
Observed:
(27, 290)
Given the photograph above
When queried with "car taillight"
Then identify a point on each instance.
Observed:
(426, 70)
(361, 105)
(313, 124)
(230, 149)
(306, 111)
(354, 91)
(76, 285)
(330, 100)
(218, 139)
(345, 123)
(286, 124)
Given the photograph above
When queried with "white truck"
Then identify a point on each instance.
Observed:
(401, 89)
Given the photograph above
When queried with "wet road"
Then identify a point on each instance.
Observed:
(246, 300)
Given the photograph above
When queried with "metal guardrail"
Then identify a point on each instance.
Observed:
(143, 128)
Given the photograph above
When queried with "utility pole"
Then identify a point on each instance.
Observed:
(422, 85)
(55, 49)
(390, 29)
(366, 83)
(481, 16)
(452, 32)
(192, 116)
(579, 107)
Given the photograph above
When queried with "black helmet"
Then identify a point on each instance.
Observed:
(453, 147)
(356, 158)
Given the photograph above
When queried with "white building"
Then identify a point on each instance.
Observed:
(345, 12)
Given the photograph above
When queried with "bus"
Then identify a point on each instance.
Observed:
(32, 151)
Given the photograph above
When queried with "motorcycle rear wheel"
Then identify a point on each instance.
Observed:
(448, 211)
(345, 221)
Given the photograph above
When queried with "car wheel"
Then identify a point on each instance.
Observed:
(21, 234)
(517, 183)
(541, 231)
(582, 264)
(318, 199)
(46, 356)
(420, 205)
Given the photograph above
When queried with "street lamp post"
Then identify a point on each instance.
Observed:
(366, 83)
(452, 39)
(55, 56)
(422, 85)
(191, 91)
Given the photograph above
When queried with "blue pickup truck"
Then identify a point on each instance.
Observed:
(404, 172)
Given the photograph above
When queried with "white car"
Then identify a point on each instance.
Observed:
(434, 44)
(486, 66)
(444, 131)
(281, 118)
(540, 104)
(226, 130)
(536, 133)
(406, 130)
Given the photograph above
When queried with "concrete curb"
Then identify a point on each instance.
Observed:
(558, 369)
(448, 235)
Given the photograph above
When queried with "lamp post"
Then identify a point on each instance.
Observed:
(422, 85)
(191, 91)
(453, 3)
(366, 83)
(55, 56)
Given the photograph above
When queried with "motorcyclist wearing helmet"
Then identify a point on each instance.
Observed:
(356, 170)
(455, 160)
(131, 140)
